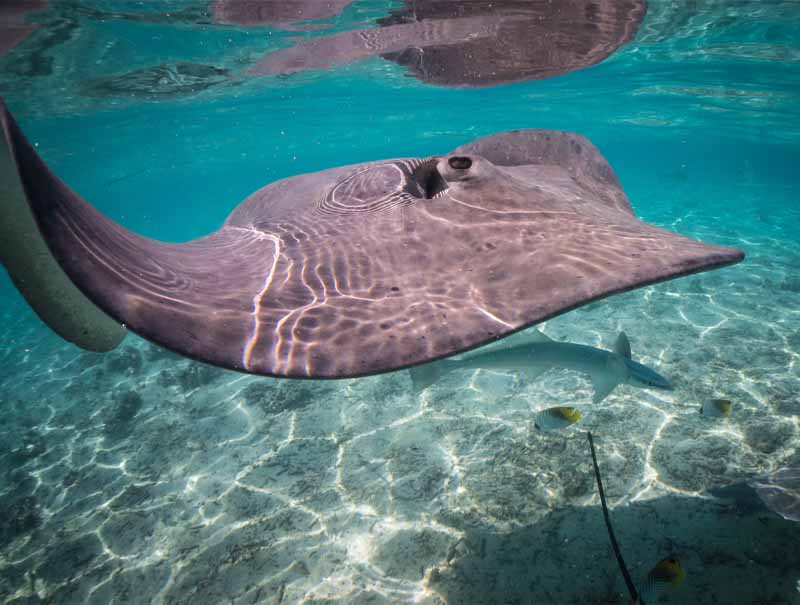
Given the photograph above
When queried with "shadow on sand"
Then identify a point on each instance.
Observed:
(567, 558)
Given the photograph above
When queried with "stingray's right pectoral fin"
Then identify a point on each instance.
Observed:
(31, 265)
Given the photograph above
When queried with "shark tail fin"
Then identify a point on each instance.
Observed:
(623, 346)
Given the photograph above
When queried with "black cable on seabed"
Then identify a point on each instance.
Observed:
(623, 569)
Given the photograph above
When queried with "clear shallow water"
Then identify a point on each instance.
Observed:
(139, 476)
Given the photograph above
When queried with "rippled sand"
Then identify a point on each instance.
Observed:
(139, 476)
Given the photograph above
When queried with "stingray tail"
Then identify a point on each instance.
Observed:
(25, 254)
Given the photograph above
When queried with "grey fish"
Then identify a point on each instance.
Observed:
(539, 353)
(716, 408)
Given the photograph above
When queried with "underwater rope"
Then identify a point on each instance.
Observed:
(623, 569)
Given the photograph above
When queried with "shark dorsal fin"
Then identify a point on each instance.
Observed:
(623, 346)
(533, 336)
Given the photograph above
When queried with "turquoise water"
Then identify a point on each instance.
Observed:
(139, 476)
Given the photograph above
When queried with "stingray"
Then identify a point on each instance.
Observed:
(13, 28)
(474, 43)
(275, 12)
(778, 491)
(350, 271)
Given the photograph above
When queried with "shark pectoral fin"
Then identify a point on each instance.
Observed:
(533, 372)
(623, 346)
(605, 382)
(603, 385)
(425, 375)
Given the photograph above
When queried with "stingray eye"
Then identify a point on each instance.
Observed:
(458, 162)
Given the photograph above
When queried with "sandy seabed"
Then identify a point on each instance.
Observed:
(142, 477)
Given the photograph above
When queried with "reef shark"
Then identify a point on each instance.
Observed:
(538, 353)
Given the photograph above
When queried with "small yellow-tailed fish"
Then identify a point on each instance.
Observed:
(666, 576)
(553, 419)
(716, 408)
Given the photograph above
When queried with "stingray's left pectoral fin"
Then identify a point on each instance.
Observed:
(27, 258)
